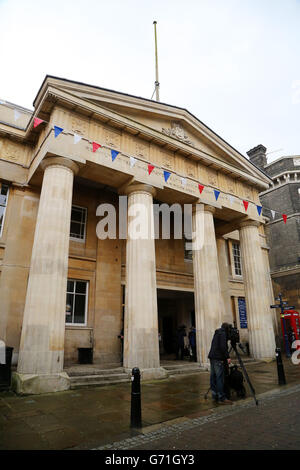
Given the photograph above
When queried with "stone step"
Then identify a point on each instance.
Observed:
(98, 380)
(174, 369)
(181, 367)
(84, 371)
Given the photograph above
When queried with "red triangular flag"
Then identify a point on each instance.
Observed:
(37, 122)
(284, 216)
(200, 188)
(150, 169)
(246, 204)
(95, 146)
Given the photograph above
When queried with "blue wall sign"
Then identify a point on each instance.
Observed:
(242, 312)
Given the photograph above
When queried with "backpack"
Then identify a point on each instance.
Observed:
(236, 380)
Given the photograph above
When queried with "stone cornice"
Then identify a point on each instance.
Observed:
(286, 271)
(114, 118)
(90, 92)
(87, 92)
(121, 122)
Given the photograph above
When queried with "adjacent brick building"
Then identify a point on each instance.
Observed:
(284, 239)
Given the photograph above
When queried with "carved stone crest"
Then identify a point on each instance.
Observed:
(79, 126)
(167, 159)
(12, 151)
(141, 149)
(177, 132)
(212, 177)
(247, 191)
(191, 169)
(112, 139)
(230, 183)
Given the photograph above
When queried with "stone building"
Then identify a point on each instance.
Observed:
(283, 197)
(63, 288)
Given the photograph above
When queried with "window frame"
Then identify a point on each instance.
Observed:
(75, 239)
(5, 207)
(233, 243)
(85, 305)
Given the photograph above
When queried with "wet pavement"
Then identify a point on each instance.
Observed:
(98, 416)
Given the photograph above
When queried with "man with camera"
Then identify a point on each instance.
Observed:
(219, 359)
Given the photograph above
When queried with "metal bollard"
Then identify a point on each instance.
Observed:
(136, 412)
(280, 369)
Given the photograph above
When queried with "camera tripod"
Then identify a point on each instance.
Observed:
(233, 346)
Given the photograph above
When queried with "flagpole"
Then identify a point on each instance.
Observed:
(156, 64)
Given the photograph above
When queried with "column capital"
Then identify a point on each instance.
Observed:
(208, 208)
(204, 208)
(140, 188)
(60, 161)
(249, 223)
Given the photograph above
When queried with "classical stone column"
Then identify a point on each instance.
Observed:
(226, 312)
(260, 321)
(206, 279)
(141, 348)
(41, 355)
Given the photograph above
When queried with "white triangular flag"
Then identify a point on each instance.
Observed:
(77, 138)
(17, 114)
(132, 161)
(273, 213)
(183, 181)
(231, 198)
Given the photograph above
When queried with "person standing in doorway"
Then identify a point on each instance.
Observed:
(180, 334)
(121, 336)
(192, 340)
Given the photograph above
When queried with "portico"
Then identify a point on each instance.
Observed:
(64, 175)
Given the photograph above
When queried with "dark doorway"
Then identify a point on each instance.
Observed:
(175, 308)
(168, 335)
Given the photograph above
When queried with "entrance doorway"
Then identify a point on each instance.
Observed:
(175, 308)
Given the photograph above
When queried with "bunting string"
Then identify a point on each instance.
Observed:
(167, 174)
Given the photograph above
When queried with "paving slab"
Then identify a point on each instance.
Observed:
(100, 416)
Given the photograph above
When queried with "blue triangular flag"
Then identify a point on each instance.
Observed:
(259, 208)
(114, 154)
(57, 131)
(217, 194)
(166, 175)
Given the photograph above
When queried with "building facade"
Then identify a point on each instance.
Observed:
(83, 151)
(283, 197)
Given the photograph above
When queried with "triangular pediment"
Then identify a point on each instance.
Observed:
(175, 125)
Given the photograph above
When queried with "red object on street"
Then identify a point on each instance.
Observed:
(291, 326)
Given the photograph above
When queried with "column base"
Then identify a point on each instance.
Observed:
(150, 374)
(33, 384)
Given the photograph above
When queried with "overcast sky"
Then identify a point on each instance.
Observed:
(233, 63)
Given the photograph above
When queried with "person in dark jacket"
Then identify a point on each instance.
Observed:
(180, 334)
(192, 340)
(121, 336)
(218, 355)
